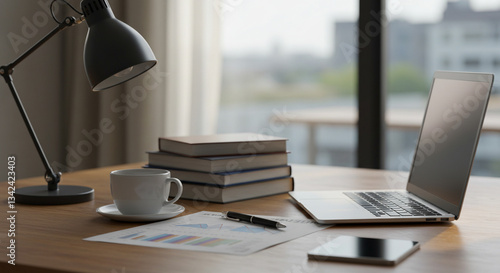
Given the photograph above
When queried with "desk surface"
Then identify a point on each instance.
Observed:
(49, 238)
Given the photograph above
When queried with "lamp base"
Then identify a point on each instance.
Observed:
(66, 194)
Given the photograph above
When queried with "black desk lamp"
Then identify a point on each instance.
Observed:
(114, 53)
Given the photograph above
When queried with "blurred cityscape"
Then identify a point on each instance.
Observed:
(256, 87)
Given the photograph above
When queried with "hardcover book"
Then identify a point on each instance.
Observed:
(223, 144)
(237, 192)
(228, 178)
(217, 164)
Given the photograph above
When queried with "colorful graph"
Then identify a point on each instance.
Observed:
(130, 236)
(181, 239)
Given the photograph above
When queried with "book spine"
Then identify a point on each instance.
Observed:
(228, 179)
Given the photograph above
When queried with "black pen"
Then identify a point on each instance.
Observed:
(235, 216)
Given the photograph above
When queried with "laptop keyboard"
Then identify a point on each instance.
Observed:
(390, 204)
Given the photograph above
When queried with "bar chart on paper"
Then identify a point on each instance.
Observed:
(207, 231)
(181, 239)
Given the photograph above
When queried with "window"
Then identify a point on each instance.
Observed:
(496, 63)
(283, 56)
(286, 56)
(472, 36)
(472, 63)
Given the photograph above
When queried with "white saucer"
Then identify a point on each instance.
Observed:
(166, 212)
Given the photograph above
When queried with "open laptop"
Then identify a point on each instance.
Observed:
(441, 165)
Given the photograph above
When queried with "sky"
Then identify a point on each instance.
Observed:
(306, 26)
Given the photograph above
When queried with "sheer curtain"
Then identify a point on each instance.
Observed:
(177, 97)
(194, 67)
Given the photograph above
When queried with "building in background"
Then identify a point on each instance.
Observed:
(464, 40)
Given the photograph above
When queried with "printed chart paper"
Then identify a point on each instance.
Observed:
(209, 232)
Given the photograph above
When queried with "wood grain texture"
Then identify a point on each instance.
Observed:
(50, 238)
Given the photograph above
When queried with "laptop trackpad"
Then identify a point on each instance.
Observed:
(334, 208)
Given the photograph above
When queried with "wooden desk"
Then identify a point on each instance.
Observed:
(49, 238)
(399, 119)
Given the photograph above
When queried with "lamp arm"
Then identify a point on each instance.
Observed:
(68, 22)
(6, 71)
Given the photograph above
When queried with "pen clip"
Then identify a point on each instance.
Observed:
(224, 215)
(232, 219)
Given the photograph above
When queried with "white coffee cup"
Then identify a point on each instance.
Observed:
(142, 191)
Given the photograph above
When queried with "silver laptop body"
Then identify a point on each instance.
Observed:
(441, 165)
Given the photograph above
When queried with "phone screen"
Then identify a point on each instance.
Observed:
(365, 250)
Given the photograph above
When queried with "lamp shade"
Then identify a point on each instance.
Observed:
(114, 52)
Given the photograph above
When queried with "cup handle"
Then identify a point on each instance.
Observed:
(179, 190)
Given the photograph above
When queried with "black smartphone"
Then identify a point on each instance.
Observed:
(364, 250)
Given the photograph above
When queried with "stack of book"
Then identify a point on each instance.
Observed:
(226, 167)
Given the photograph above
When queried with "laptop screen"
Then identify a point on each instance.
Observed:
(448, 138)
